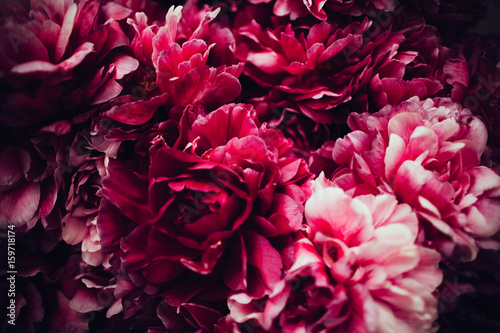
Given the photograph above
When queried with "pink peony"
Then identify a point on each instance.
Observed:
(154, 10)
(427, 153)
(360, 271)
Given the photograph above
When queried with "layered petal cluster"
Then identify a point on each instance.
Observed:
(307, 134)
(57, 58)
(82, 200)
(173, 69)
(477, 63)
(324, 68)
(214, 211)
(416, 66)
(359, 270)
(30, 179)
(427, 153)
(126, 307)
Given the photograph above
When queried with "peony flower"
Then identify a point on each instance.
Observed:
(30, 179)
(427, 153)
(360, 271)
(182, 220)
(173, 71)
(59, 57)
(321, 68)
(154, 10)
(82, 199)
(307, 134)
(476, 63)
(418, 66)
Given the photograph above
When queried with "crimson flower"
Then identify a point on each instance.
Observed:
(204, 213)
(173, 71)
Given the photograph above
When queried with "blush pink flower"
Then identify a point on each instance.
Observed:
(360, 271)
(427, 153)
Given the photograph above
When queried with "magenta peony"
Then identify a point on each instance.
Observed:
(418, 66)
(173, 71)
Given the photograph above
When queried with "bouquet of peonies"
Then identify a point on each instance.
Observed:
(249, 166)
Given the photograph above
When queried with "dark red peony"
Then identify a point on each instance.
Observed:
(210, 216)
